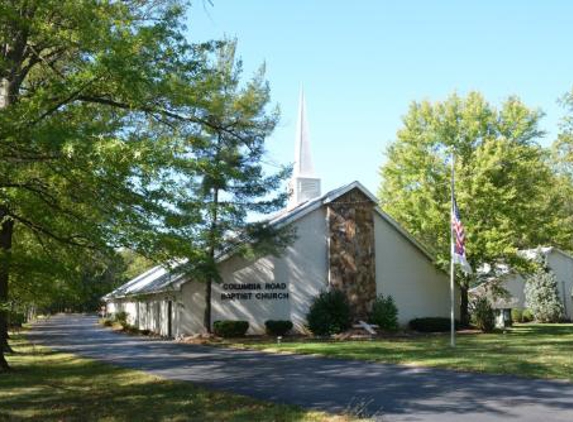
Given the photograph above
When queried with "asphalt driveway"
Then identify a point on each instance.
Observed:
(388, 392)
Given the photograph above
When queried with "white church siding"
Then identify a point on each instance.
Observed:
(405, 273)
(191, 308)
(302, 268)
(153, 314)
(148, 313)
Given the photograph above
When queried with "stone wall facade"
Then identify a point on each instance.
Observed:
(352, 263)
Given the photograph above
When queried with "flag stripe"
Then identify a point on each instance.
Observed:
(459, 238)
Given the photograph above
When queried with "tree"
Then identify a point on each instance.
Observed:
(542, 296)
(502, 180)
(228, 184)
(134, 264)
(562, 163)
(92, 98)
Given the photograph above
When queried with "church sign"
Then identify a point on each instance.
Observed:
(256, 291)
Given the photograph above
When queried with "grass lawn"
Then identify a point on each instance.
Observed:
(530, 350)
(51, 386)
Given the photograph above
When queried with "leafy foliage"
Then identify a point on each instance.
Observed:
(384, 313)
(517, 315)
(278, 327)
(329, 313)
(92, 95)
(121, 318)
(114, 132)
(483, 315)
(527, 315)
(542, 296)
(230, 329)
(502, 181)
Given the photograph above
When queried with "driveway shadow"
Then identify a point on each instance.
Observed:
(391, 392)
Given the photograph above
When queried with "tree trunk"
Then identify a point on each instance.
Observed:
(464, 305)
(212, 248)
(207, 316)
(9, 89)
(6, 231)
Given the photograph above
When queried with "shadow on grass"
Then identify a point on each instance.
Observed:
(528, 350)
(50, 386)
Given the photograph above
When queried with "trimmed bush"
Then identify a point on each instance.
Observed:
(230, 328)
(384, 313)
(483, 315)
(121, 318)
(278, 327)
(527, 315)
(517, 315)
(432, 324)
(329, 314)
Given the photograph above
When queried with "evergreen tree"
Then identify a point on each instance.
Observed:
(227, 186)
(542, 295)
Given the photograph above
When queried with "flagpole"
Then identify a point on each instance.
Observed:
(452, 295)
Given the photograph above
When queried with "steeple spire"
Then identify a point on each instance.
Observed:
(303, 160)
(304, 185)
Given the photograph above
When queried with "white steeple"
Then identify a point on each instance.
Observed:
(304, 185)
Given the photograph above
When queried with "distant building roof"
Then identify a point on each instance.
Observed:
(503, 270)
(158, 279)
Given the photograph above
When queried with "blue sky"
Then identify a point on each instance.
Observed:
(362, 63)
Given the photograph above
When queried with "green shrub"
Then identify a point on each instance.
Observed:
(384, 313)
(542, 296)
(121, 318)
(432, 324)
(106, 322)
(278, 327)
(483, 315)
(517, 315)
(230, 328)
(329, 314)
(527, 315)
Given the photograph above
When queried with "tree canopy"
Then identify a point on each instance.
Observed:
(503, 180)
(102, 104)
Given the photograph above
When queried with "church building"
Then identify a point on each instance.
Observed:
(343, 241)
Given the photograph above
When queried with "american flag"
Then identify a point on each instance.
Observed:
(459, 240)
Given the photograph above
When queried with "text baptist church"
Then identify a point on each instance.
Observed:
(343, 241)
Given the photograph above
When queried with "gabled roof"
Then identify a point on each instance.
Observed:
(160, 279)
(545, 250)
(290, 216)
(156, 280)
